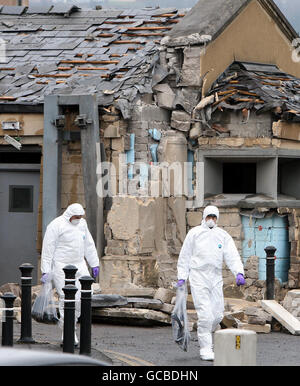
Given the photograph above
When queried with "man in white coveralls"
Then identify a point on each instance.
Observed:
(200, 260)
(67, 240)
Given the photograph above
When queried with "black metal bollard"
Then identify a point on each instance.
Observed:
(270, 267)
(7, 323)
(69, 317)
(26, 321)
(86, 314)
(70, 272)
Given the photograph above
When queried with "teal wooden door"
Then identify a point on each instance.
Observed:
(259, 233)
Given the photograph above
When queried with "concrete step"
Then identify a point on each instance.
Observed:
(284, 317)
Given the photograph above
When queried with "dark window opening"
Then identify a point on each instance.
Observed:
(20, 198)
(180, 56)
(20, 157)
(239, 178)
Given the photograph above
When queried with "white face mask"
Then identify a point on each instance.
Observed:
(75, 221)
(210, 223)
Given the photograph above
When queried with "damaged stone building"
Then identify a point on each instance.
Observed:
(213, 86)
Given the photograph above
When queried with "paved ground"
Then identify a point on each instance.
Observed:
(153, 346)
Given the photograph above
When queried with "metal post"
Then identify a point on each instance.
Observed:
(69, 318)
(7, 323)
(26, 321)
(86, 314)
(270, 267)
(70, 272)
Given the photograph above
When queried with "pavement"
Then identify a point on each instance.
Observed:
(123, 345)
(47, 337)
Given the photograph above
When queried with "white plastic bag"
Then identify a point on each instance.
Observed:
(180, 325)
(44, 309)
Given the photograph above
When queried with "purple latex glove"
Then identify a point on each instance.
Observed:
(95, 271)
(44, 278)
(240, 280)
(180, 283)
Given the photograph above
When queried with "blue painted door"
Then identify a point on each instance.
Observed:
(259, 233)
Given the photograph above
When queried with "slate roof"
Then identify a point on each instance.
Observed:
(256, 86)
(213, 16)
(65, 50)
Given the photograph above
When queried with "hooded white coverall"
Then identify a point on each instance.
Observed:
(200, 260)
(63, 244)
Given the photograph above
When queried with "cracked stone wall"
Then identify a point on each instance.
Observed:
(144, 237)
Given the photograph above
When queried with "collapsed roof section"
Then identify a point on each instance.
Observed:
(112, 53)
(254, 86)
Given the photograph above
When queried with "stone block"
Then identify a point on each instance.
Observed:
(165, 96)
(167, 308)
(180, 120)
(150, 113)
(149, 317)
(128, 272)
(265, 329)
(112, 130)
(190, 73)
(194, 218)
(110, 117)
(165, 295)
(229, 220)
(132, 291)
(115, 247)
(118, 144)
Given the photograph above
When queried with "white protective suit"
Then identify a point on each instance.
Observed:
(200, 261)
(63, 244)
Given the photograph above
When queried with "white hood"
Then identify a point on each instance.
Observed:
(211, 209)
(73, 210)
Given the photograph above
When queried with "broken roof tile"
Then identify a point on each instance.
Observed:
(63, 8)
(76, 58)
(38, 8)
(12, 10)
(258, 86)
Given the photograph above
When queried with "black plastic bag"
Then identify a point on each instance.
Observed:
(179, 319)
(44, 309)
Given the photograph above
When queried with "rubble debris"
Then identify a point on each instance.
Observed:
(289, 321)
(138, 316)
(254, 87)
(100, 300)
(131, 292)
(164, 295)
(266, 328)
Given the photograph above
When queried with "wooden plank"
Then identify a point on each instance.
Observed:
(52, 75)
(90, 61)
(127, 42)
(284, 317)
(143, 34)
(147, 28)
(7, 98)
(224, 98)
(92, 68)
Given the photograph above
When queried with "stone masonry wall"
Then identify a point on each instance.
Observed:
(144, 237)
(72, 189)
